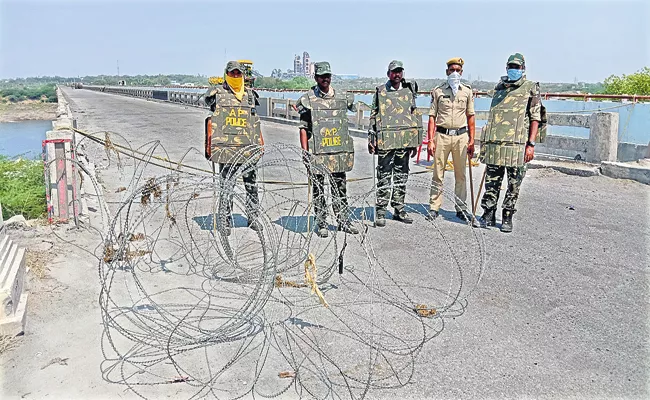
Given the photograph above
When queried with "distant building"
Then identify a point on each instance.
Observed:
(297, 65)
(305, 63)
(312, 69)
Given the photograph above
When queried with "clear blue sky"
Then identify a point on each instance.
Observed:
(562, 40)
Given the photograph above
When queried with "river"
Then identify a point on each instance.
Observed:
(23, 138)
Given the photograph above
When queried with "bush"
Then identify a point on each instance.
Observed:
(637, 83)
(21, 93)
(22, 188)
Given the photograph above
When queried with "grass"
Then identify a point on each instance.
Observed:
(22, 188)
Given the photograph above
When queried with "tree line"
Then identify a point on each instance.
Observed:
(637, 83)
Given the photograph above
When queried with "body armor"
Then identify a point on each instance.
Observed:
(233, 127)
(503, 140)
(330, 134)
(399, 124)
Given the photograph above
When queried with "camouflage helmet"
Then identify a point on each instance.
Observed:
(234, 65)
(395, 64)
(322, 68)
(517, 59)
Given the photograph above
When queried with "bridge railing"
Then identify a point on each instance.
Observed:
(602, 144)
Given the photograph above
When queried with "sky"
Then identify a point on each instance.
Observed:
(563, 41)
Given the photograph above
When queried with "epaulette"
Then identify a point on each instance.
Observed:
(467, 85)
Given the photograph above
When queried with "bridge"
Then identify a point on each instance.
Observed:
(556, 309)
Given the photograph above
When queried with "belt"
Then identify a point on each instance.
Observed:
(452, 132)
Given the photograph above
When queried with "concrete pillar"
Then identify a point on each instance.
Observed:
(288, 107)
(603, 137)
(61, 187)
(359, 117)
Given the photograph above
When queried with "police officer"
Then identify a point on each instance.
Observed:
(232, 136)
(451, 130)
(508, 140)
(324, 133)
(395, 131)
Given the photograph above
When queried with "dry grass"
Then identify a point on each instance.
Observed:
(7, 343)
(37, 260)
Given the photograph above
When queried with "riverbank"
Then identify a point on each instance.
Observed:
(27, 111)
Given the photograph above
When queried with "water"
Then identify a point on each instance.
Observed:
(23, 138)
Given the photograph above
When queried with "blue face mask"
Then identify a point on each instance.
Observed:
(515, 74)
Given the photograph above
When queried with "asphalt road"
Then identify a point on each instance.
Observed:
(561, 312)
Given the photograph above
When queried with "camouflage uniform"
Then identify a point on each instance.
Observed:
(331, 146)
(235, 135)
(396, 126)
(503, 140)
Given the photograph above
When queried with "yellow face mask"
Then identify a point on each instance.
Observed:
(237, 86)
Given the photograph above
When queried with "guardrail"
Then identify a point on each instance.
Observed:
(602, 144)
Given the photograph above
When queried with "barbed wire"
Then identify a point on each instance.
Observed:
(192, 296)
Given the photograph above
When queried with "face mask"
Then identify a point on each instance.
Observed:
(237, 86)
(515, 74)
(454, 81)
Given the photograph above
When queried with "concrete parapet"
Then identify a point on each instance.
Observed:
(639, 172)
(603, 137)
(12, 281)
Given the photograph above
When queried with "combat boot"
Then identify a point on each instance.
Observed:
(488, 218)
(380, 219)
(254, 224)
(463, 216)
(432, 215)
(322, 231)
(402, 216)
(506, 221)
(347, 228)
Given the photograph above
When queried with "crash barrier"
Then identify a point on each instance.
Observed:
(602, 144)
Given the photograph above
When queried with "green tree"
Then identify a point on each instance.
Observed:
(636, 83)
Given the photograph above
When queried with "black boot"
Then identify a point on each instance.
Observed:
(254, 223)
(488, 218)
(506, 221)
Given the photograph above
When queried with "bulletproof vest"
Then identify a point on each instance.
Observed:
(329, 118)
(234, 125)
(397, 126)
(508, 121)
(503, 138)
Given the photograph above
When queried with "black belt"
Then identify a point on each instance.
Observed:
(452, 132)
